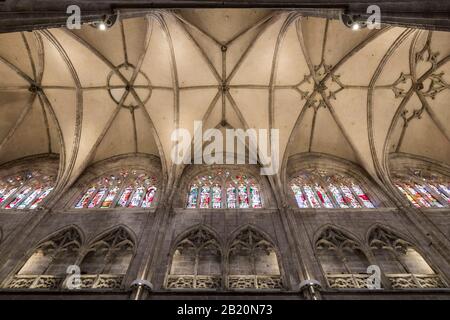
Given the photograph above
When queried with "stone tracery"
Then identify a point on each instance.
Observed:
(342, 259)
(328, 90)
(103, 264)
(402, 264)
(322, 189)
(224, 189)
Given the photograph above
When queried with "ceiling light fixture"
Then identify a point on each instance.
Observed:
(105, 23)
(354, 22)
(101, 26)
(356, 26)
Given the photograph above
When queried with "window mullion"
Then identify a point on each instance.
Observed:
(92, 196)
(406, 187)
(416, 281)
(121, 191)
(6, 198)
(408, 272)
(328, 192)
(199, 195)
(116, 197)
(130, 197)
(312, 183)
(52, 258)
(253, 260)
(361, 203)
(99, 204)
(433, 193)
(107, 262)
(12, 196)
(416, 181)
(133, 193)
(211, 196)
(27, 185)
(197, 253)
(119, 194)
(308, 182)
(131, 183)
(249, 196)
(339, 190)
(441, 198)
(35, 198)
(447, 193)
(341, 257)
(236, 196)
(397, 258)
(308, 204)
(139, 205)
(224, 200)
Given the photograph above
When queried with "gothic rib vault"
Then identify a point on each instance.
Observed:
(89, 95)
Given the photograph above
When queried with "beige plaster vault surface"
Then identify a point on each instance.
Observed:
(90, 95)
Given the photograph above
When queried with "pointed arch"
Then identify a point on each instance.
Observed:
(223, 187)
(422, 182)
(123, 229)
(253, 261)
(107, 258)
(340, 230)
(322, 181)
(196, 261)
(341, 257)
(47, 264)
(69, 153)
(28, 108)
(27, 183)
(401, 261)
(126, 181)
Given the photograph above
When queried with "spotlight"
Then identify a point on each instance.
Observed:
(101, 26)
(106, 22)
(356, 26)
(354, 22)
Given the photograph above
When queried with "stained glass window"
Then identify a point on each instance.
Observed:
(25, 190)
(193, 195)
(112, 194)
(217, 196)
(126, 194)
(98, 197)
(205, 197)
(320, 189)
(350, 198)
(243, 196)
(362, 196)
(255, 196)
(149, 197)
(311, 197)
(126, 189)
(41, 197)
(137, 197)
(20, 196)
(299, 196)
(423, 189)
(323, 197)
(224, 189)
(231, 196)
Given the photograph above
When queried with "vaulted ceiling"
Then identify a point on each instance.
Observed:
(358, 95)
